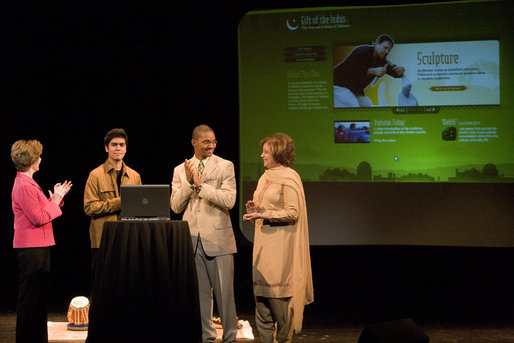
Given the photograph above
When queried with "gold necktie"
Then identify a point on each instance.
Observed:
(200, 169)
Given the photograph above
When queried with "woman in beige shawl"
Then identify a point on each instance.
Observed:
(282, 278)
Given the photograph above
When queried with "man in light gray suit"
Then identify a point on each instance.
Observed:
(204, 187)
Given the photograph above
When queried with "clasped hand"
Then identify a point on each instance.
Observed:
(60, 190)
(252, 211)
(191, 174)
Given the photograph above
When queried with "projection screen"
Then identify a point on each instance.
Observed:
(418, 151)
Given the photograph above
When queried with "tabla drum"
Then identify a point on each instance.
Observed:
(78, 314)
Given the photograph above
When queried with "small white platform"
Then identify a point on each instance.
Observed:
(58, 333)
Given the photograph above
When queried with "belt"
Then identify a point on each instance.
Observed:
(267, 222)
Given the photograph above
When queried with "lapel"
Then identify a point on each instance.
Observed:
(210, 167)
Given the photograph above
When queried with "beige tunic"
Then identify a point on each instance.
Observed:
(281, 259)
(273, 245)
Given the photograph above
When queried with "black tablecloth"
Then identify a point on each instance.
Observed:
(145, 287)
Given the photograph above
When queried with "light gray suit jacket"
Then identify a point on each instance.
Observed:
(207, 211)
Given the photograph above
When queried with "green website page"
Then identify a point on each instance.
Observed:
(448, 118)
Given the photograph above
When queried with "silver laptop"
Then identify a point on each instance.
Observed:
(145, 202)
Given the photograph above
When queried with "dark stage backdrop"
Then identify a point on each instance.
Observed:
(73, 71)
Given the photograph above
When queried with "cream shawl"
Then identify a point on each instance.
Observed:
(303, 292)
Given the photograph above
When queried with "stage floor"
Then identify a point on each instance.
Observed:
(325, 330)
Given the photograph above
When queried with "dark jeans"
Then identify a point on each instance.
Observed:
(34, 272)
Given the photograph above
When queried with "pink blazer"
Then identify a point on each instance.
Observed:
(33, 214)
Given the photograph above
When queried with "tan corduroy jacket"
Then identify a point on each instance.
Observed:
(102, 200)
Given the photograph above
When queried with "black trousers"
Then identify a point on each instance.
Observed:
(34, 278)
(94, 261)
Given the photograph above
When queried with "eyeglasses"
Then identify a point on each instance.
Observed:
(207, 142)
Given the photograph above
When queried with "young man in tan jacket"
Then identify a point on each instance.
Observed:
(102, 201)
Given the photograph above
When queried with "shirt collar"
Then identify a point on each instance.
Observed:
(197, 161)
(108, 167)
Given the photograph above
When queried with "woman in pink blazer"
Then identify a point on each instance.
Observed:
(33, 237)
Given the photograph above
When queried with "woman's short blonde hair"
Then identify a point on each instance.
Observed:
(25, 153)
(282, 148)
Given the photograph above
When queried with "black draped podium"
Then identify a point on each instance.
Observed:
(145, 287)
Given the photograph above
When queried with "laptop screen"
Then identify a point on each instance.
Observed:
(145, 202)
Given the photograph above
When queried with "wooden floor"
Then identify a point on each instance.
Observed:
(320, 329)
